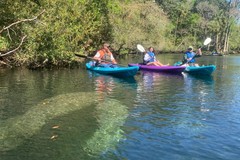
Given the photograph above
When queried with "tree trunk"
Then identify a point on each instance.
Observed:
(226, 38)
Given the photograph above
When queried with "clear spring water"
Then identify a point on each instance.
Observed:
(76, 114)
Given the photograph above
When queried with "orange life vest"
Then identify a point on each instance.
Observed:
(106, 55)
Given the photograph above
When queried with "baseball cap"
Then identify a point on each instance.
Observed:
(190, 48)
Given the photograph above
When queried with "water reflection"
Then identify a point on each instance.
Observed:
(206, 78)
(199, 92)
(104, 85)
(107, 86)
(151, 79)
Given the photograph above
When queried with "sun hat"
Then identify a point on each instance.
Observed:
(190, 48)
(106, 44)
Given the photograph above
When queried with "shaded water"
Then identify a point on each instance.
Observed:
(77, 114)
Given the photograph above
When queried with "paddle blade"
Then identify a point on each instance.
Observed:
(207, 41)
(140, 48)
(82, 56)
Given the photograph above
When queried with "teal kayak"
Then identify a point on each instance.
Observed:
(201, 70)
(116, 71)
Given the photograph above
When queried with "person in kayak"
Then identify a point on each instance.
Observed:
(189, 57)
(104, 56)
(150, 58)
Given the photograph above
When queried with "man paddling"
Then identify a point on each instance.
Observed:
(189, 56)
(104, 56)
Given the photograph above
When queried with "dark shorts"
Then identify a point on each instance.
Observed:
(145, 62)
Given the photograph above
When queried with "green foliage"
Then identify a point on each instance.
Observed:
(3, 44)
(142, 23)
(235, 38)
(184, 22)
(69, 26)
(65, 27)
(197, 19)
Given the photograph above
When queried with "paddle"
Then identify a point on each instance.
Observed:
(140, 48)
(83, 56)
(206, 42)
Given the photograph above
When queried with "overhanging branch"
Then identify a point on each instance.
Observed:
(20, 21)
(12, 51)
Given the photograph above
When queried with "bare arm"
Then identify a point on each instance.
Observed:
(199, 52)
(97, 57)
(113, 59)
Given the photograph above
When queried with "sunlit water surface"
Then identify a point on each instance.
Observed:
(76, 114)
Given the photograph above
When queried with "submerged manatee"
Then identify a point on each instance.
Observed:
(111, 115)
(15, 130)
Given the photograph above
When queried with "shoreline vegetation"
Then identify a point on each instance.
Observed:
(47, 34)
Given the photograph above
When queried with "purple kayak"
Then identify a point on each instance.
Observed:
(166, 69)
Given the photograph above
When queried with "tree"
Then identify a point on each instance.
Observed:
(197, 19)
(143, 23)
(66, 27)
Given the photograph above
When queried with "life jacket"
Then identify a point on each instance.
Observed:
(152, 59)
(104, 55)
(107, 56)
(188, 55)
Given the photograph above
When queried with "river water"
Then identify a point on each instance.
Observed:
(75, 114)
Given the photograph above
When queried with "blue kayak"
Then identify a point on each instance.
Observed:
(115, 70)
(201, 70)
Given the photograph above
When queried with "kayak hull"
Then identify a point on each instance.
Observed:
(201, 70)
(122, 72)
(165, 69)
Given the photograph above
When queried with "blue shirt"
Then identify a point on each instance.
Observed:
(149, 57)
(188, 55)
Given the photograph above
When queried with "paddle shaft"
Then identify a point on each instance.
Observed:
(192, 57)
(83, 56)
(206, 42)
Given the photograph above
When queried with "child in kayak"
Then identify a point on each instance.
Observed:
(150, 58)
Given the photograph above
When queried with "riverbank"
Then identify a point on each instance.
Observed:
(75, 62)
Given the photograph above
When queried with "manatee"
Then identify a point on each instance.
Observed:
(15, 130)
(110, 116)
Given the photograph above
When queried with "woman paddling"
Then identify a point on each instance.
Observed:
(150, 58)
